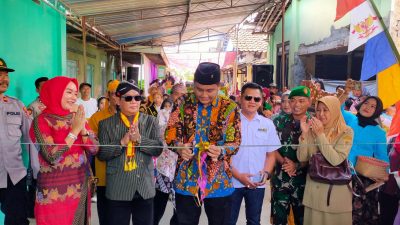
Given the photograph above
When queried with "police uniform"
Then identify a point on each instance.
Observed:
(36, 107)
(15, 122)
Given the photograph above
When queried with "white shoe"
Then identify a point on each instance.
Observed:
(94, 199)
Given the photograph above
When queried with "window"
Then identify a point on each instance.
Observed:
(89, 75)
(103, 76)
(280, 80)
(72, 68)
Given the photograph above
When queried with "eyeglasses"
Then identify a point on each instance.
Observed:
(129, 98)
(249, 98)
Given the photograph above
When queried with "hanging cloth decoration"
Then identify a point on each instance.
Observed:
(130, 163)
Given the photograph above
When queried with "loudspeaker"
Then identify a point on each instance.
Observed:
(263, 74)
(132, 74)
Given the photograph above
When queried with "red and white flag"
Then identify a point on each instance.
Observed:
(364, 24)
(345, 6)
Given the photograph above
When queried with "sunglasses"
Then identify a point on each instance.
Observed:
(249, 98)
(129, 98)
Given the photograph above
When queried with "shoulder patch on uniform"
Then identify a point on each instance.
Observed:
(13, 98)
(28, 112)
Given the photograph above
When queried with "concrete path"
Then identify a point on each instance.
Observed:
(203, 219)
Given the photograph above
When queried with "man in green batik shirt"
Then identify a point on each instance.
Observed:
(289, 179)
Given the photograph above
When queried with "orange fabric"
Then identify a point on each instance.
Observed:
(395, 126)
(291, 217)
(94, 125)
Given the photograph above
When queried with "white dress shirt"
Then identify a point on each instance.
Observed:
(258, 131)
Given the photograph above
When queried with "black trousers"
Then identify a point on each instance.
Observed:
(102, 205)
(389, 205)
(31, 197)
(14, 203)
(160, 203)
(218, 210)
(120, 212)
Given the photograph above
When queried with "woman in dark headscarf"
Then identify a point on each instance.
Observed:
(320, 85)
(63, 196)
(369, 140)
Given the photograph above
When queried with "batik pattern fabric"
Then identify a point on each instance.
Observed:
(63, 196)
(287, 191)
(217, 124)
(149, 110)
(165, 164)
(365, 205)
(163, 183)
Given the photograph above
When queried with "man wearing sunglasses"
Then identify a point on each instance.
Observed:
(100, 166)
(253, 166)
(206, 129)
(129, 140)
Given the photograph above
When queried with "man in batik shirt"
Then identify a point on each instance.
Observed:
(289, 179)
(206, 128)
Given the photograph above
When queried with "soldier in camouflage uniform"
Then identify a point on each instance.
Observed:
(289, 179)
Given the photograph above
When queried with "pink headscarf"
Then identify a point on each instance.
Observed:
(52, 93)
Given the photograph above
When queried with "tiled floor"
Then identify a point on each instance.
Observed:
(203, 219)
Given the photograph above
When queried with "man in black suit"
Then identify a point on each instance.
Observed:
(124, 138)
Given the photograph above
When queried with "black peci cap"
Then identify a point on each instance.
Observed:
(207, 73)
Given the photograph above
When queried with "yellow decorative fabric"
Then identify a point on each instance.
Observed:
(130, 163)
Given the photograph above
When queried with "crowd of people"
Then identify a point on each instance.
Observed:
(198, 147)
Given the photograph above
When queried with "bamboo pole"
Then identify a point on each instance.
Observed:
(391, 42)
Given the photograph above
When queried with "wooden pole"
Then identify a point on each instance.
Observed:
(84, 48)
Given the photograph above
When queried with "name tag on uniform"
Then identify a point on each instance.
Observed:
(263, 129)
(13, 113)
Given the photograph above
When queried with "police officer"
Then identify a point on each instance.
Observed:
(14, 123)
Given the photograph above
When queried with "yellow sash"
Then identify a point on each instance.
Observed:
(130, 163)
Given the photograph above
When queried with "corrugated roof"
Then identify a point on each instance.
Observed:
(162, 22)
(269, 19)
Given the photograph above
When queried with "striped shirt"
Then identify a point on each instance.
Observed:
(122, 185)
